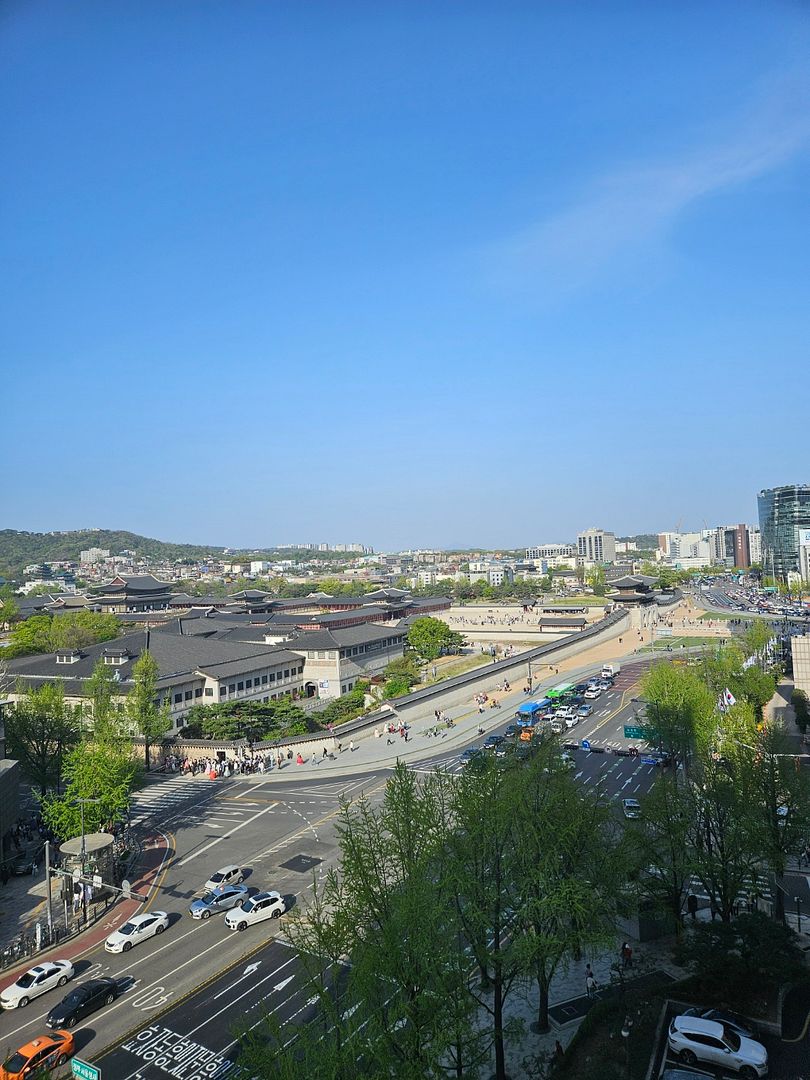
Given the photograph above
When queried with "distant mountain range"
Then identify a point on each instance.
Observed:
(20, 549)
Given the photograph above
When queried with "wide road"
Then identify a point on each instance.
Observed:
(280, 828)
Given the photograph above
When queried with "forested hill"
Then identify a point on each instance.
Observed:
(19, 549)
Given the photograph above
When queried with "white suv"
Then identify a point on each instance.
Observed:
(264, 905)
(694, 1039)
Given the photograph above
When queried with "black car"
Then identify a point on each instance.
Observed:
(511, 731)
(21, 865)
(81, 1001)
(580, 688)
(492, 741)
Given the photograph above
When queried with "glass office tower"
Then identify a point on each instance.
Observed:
(783, 511)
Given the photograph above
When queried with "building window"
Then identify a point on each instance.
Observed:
(223, 689)
(209, 691)
(178, 699)
(286, 673)
(264, 680)
(301, 669)
(320, 654)
(232, 688)
(198, 691)
(272, 676)
(188, 695)
(240, 686)
(248, 684)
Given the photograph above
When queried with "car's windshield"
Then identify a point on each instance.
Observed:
(207, 898)
(248, 905)
(74, 998)
(731, 1038)
(127, 928)
(26, 979)
(218, 876)
(16, 1063)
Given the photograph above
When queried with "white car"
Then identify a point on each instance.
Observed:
(264, 905)
(693, 1039)
(631, 808)
(592, 693)
(138, 929)
(571, 720)
(228, 875)
(37, 980)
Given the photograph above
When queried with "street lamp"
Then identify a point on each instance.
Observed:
(83, 851)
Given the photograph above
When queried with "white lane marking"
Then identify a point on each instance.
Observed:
(227, 835)
(247, 973)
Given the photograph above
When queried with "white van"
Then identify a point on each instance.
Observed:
(610, 671)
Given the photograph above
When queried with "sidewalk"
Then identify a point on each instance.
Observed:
(24, 907)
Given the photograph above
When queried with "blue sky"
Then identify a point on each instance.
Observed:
(410, 274)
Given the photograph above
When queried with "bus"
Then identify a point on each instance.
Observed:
(528, 713)
(557, 692)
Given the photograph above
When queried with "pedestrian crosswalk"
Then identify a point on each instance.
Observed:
(164, 797)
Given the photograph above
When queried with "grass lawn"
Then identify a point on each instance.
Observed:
(457, 667)
(719, 615)
(677, 642)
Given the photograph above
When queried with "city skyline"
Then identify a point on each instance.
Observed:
(428, 277)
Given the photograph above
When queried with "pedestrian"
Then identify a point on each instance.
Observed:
(325, 752)
(351, 747)
(590, 986)
(692, 906)
(559, 1053)
(627, 956)
(340, 748)
(588, 972)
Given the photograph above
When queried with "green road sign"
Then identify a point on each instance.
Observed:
(633, 732)
(83, 1070)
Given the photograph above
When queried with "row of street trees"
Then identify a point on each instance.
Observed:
(72, 752)
(449, 895)
(741, 806)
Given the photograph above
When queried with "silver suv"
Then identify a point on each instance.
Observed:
(693, 1039)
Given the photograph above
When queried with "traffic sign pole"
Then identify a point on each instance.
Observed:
(83, 1070)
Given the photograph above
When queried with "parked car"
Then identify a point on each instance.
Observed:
(37, 980)
(228, 875)
(631, 808)
(139, 928)
(264, 905)
(81, 1001)
(731, 1020)
(43, 1052)
(694, 1039)
(217, 900)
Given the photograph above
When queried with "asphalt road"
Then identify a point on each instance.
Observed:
(196, 1037)
(280, 829)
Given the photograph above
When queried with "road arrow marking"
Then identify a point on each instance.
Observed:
(251, 968)
(281, 985)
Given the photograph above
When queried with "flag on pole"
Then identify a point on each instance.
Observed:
(729, 698)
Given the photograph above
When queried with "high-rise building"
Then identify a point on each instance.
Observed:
(596, 546)
(783, 512)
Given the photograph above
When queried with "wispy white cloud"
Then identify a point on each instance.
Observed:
(625, 213)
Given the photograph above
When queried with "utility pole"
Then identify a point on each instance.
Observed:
(48, 887)
(83, 855)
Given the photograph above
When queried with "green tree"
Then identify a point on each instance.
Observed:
(758, 687)
(595, 579)
(103, 769)
(404, 667)
(660, 840)
(801, 709)
(430, 638)
(9, 608)
(396, 686)
(756, 637)
(569, 866)
(679, 709)
(722, 835)
(150, 720)
(40, 729)
(484, 873)
(101, 691)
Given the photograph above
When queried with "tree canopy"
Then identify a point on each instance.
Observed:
(430, 638)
